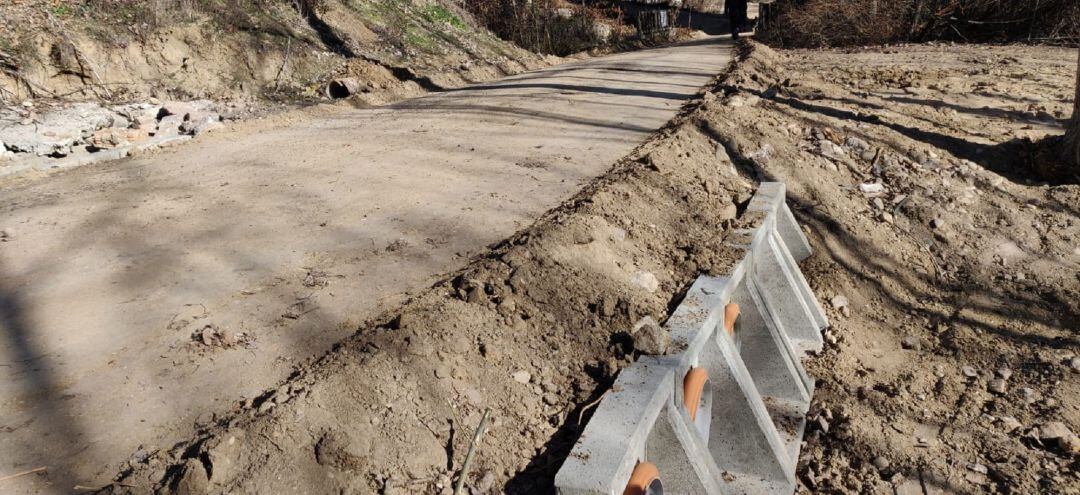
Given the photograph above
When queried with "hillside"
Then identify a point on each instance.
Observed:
(193, 49)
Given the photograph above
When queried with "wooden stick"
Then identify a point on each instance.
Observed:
(24, 473)
(472, 452)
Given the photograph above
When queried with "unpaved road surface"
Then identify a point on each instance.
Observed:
(138, 297)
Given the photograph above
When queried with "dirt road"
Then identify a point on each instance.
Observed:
(138, 297)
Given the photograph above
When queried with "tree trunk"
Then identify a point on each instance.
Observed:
(1072, 134)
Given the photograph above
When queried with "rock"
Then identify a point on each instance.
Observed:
(200, 122)
(872, 188)
(830, 150)
(1070, 444)
(182, 108)
(650, 337)
(937, 223)
(969, 372)
(997, 386)
(169, 125)
(1009, 424)
(1074, 364)
(7, 235)
(1052, 431)
(110, 138)
(521, 377)
(857, 144)
(881, 463)
(1004, 373)
(838, 301)
(911, 342)
(1028, 396)
(647, 281)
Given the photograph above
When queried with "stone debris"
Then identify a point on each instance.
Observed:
(647, 281)
(521, 377)
(1009, 424)
(911, 342)
(81, 133)
(997, 386)
(650, 337)
(872, 188)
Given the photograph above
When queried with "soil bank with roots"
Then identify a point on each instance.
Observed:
(952, 287)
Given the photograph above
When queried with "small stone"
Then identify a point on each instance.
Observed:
(7, 235)
(969, 372)
(1028, 395)
(1009, 424)
(881, 463)
(1074, 364)
(1070, 444)
(937, 223)
(838, 301)
(871, 188)
(1053, 431)
(650, 337)
(997, 386)
(978, 468)
(522, 377)
(647, 281)
(911, 342)
(1004, 373)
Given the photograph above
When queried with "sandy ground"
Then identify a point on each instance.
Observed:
(137, 298)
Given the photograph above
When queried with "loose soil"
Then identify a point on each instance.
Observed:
(954, 293)
(954, 272)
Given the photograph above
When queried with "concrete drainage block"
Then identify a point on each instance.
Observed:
(727, 413)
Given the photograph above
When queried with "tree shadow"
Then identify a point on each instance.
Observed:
(42, 392)
(1001, 158)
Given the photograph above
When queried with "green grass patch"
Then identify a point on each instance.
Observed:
(438, 13)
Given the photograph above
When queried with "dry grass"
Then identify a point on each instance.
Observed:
(544, 26)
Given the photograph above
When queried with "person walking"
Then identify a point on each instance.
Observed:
(736, 12)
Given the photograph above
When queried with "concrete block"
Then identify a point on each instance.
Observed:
(781, 293)
(615, 440)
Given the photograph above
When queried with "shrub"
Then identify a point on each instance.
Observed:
(545, 26)
(815, 23)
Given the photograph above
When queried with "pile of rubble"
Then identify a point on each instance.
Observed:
(74, 134)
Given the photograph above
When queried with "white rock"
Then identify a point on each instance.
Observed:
(522, 376)
(647, 281)
(872, 188)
